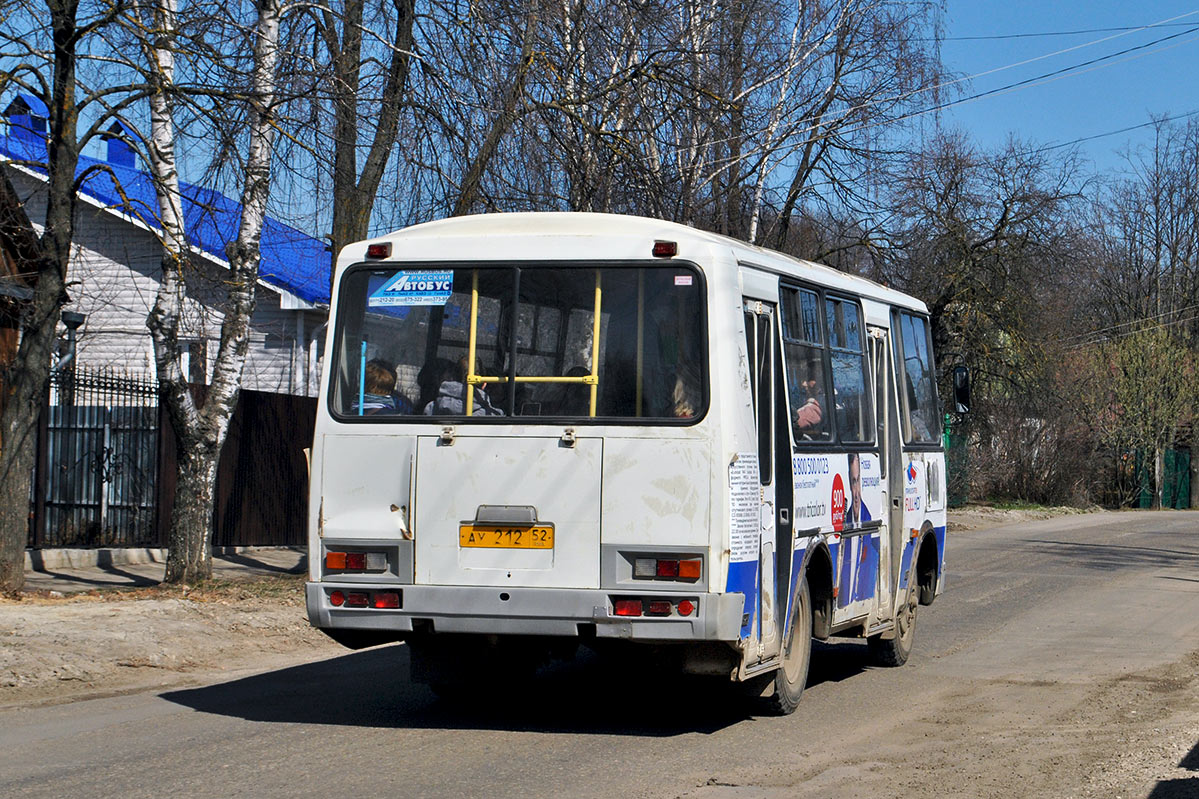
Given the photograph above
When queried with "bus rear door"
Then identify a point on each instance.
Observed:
(774, 473)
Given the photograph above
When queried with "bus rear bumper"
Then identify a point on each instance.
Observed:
(523, 611)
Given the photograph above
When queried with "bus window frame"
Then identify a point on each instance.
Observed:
(691, 267)
(897, 355)
(835, 443)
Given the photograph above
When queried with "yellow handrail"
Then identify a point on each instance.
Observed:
(591, 380)
(470, 345)
(640, 338)
(588, 379)
(595, 344)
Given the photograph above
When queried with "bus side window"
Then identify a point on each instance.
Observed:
(921, 423)
(803, 352)
(846, 342)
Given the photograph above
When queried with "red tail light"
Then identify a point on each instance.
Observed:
(337, 599)
(627, 607)
(356, 560)
(382, 250)
(387, 599)
(659, 607)
(686, 607)
(357, 600)
(668, 568)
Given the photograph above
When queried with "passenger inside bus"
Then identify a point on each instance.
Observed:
(685, 397)
(379, 394)
(809, 408)
(451, 395)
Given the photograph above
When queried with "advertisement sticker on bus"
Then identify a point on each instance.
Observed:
(836, 492)
(414, 288)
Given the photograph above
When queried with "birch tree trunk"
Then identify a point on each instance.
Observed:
(200, 430)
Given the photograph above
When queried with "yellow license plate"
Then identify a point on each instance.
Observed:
(506, 536)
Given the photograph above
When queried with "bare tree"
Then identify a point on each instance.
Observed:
(48, 69)
(357, 109)
(200, 429)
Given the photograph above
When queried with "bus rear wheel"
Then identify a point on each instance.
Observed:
(894, 651)
(792, 676)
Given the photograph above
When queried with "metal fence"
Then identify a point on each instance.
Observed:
(98, 464)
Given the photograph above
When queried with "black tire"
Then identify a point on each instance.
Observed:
(792, 676)
(894, 651)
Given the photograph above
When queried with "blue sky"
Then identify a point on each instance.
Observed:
(1119, 92)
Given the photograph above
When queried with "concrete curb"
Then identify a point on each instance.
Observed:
(44, 560)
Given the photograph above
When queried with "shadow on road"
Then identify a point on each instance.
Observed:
(837, 660)
(100, 577)
(1191, 761)
(1184, 788)
(1110, 557)
(371, 689)
(261, 565)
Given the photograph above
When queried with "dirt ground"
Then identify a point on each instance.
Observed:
(59, 648)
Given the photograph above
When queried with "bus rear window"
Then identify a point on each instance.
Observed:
(491, 341)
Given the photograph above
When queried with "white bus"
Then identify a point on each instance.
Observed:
(550, 429)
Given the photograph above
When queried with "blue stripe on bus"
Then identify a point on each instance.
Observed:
(905, 563)
(939, 534)
(796, 565)
(743, 579)
(866, 571)
(909, 551)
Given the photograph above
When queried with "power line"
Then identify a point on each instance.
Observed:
(1057, 72)
(1082, 139)
(1081, 31)
(1127, 333)
(1068, 71)
(1110, 328)
(1168, 22)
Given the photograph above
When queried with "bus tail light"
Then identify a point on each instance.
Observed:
(337, 599)
(387, 599)
(355, 561)
(378, 250)
(666, 249)
(627, 607)
(689, 569)
(356, 599)
(653, 606)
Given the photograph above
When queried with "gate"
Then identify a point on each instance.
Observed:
(98, 462)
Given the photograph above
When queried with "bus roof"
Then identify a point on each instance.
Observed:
(630, 234)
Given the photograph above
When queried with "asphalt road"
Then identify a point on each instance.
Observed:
(1063, 660)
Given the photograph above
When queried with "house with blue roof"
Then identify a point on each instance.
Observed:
(114, 273)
